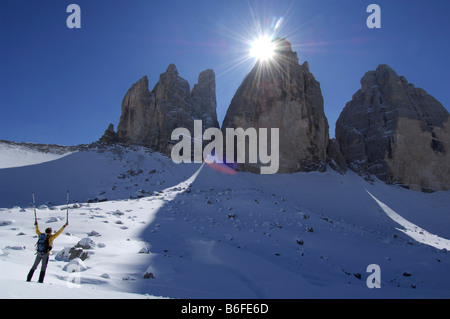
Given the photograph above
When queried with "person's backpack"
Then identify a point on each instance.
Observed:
(43, 245)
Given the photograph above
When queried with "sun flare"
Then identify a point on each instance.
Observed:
(262, 49)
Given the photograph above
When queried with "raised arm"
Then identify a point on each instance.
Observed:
(38, 232)
(59, 231)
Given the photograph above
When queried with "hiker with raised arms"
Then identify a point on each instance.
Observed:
(44, 246)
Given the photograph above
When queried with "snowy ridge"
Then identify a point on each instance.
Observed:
(188, 231)
(17, 155)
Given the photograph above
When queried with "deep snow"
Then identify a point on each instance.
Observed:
(205, 234)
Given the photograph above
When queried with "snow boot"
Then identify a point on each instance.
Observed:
(30, 275)
(41, 277)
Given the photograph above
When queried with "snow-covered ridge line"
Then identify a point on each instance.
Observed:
(23, 154)
(38, 147)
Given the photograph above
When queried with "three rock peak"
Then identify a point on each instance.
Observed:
(390, 129)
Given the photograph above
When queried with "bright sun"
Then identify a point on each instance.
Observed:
(262, 49)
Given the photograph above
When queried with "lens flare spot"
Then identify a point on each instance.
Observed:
(262, 49)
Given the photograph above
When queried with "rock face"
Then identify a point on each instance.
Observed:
(397, 132)
(149, 117)
(282, 94)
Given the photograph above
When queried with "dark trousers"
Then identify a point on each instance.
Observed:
(40, 257)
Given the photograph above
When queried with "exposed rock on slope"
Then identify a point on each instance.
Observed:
(149, 117)
(283, 94)
(396, 132)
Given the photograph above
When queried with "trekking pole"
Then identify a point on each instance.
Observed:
(34, 205)
(67, 203)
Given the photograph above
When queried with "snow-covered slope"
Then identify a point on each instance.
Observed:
(199, 233)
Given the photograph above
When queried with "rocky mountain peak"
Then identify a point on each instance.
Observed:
(171, 70)
(283, 94)
(203, 96)
(141, 85)
(397, 132)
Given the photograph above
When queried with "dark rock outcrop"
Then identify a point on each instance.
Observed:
(396, 132)
(335, 158)
(110, 136)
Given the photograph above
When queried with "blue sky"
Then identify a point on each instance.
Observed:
(64, 86)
